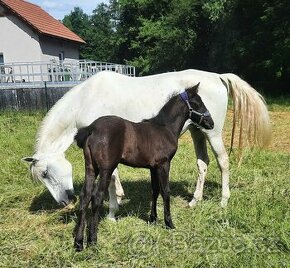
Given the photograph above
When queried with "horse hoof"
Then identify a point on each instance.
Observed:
(224, 203)
(193, 203)
(119, 199)
(111, 218)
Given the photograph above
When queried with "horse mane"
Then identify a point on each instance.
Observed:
(58, 137)
(160, 118)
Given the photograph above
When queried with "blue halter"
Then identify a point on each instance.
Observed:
(184, 97)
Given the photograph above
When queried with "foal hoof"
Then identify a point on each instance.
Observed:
(91, 243)
(78, 246)
(169, 225)
(152, 219)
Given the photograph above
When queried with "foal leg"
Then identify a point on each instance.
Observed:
(221, 155)
(163, 178)
(85, 198)
(199, 141)
(97, 202)
(155, 193)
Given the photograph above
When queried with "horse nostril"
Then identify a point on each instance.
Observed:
(71, 195)
(63, 203)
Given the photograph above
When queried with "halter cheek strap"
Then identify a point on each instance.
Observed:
(184, 97)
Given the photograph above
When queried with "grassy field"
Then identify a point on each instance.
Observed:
(254, 231)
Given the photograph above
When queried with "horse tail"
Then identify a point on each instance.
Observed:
(250, 113)
(81, 136)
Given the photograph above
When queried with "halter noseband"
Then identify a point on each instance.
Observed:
(185, 98)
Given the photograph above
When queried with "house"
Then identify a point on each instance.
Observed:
(29, 34)
(36, 48)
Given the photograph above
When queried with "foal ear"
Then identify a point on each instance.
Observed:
(193, 89)
(30, 160)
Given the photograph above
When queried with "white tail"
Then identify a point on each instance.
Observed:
(250, 112)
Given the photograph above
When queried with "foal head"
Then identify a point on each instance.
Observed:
(198, 113)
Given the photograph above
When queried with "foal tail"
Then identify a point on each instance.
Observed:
(81, 136)
(250, 113)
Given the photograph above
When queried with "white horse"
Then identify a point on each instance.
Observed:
(137, 98)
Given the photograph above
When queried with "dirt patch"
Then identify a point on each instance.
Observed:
(280, 122)
(280, 131)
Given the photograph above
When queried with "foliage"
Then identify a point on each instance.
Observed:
(252, 232)
(165, 35)
(249, 38)
(97, 30)
(253, 40)
(79, 23)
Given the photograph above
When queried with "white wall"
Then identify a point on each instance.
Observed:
(51, 47)
(18, 42)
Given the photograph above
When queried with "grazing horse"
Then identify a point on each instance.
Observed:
(136, 98)
(151, 144)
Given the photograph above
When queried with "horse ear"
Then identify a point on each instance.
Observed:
(193, 89)
(30, 160)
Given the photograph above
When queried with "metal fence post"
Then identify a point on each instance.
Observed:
(46, 96)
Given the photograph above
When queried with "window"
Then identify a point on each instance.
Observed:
(1, 58)
(61, 55)
(2, 69)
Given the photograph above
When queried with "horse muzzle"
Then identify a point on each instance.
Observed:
(70, 198)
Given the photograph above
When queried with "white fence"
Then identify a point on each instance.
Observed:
(56, 72)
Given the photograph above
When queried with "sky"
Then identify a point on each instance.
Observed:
(59, 8)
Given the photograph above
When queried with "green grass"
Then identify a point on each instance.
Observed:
(254, 231)
(281, 103)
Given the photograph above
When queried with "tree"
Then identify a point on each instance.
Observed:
(100, 37)
(253, 41)
(250, 38)
(97, 30)
(167, 35)
(153, 38)
(79, 23)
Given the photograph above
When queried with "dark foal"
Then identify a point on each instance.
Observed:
(151, 144)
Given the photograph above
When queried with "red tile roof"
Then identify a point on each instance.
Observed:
(40, 20)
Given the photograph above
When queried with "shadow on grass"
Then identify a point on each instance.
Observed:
(137, 200)
(43, 202)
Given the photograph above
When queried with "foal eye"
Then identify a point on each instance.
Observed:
(44, 174)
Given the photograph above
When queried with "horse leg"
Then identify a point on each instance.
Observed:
(119, 189)
(155, 193)
(115, 195)
(221, 155)
(163, 178)
(85, 198)
(97, 202)
(199, 141)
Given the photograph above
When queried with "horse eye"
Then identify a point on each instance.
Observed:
(44, 174)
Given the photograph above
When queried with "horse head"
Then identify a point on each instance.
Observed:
(198, 113)
(55, 172)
